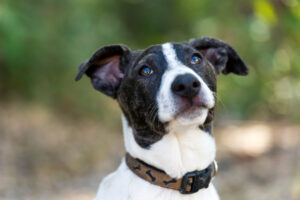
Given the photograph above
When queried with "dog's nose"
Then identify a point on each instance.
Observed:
(186, 86)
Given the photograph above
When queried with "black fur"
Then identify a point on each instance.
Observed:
(136, 94)
(225, 58)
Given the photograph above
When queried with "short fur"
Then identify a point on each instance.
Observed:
(162, 128)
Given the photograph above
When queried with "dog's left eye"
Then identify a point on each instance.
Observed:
(146, 71)
(195, 60)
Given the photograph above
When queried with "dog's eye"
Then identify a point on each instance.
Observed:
(146, 71)
(195, 59)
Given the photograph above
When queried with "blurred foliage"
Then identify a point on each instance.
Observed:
(43, 41)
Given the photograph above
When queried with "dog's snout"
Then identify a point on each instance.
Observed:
(186, 86)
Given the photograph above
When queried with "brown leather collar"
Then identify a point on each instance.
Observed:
(190, 183)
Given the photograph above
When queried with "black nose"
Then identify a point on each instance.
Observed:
(186, 86)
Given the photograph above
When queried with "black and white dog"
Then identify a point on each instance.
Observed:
(167, 97)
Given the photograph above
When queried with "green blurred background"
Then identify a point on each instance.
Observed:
(43, 41)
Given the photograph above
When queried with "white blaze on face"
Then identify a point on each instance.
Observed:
(167, 108)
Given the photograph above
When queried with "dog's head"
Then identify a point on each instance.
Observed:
(166, 85)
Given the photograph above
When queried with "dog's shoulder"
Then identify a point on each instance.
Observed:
(114, 186)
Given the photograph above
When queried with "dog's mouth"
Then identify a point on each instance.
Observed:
(189, 110)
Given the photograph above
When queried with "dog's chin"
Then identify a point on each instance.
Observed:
(193, 116)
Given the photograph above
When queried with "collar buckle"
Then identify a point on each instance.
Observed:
(192, 182)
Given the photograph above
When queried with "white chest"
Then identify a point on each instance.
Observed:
(176, 153)
(124, 185)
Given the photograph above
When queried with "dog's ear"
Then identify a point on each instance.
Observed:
(224, 58)
(106, 68)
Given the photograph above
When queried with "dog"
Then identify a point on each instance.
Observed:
(167, 94)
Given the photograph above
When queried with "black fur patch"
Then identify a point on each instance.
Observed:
(136, 94)
(137, 97)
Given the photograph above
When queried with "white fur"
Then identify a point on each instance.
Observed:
(166, 102)
(183, 149)
(176, 153)
(124, 185)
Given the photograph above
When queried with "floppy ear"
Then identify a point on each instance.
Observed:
(224, 58)
(106, 68)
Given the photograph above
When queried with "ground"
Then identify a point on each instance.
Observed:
(44, 155)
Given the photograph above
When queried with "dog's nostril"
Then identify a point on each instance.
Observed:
(196, 84)
(179, 87)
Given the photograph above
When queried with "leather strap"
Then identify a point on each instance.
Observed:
(190, 183)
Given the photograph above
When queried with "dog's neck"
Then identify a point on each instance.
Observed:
(178, 152)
